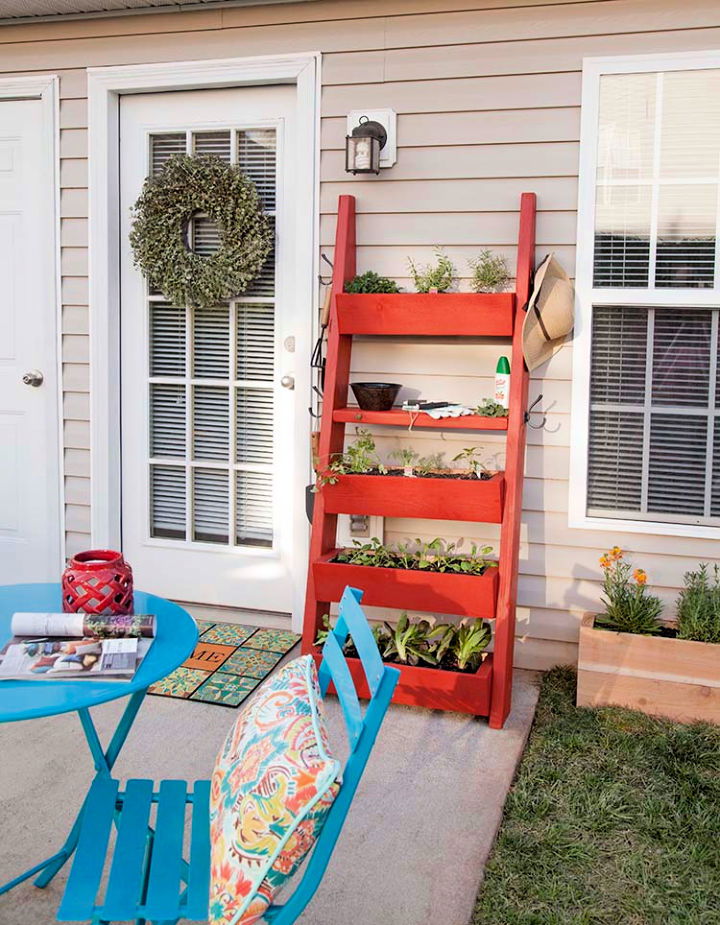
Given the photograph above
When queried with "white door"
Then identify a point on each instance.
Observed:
(29, 447)
(210, 455)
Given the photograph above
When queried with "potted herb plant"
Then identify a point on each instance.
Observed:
(629, 656)
(358, 482)
(433, 576)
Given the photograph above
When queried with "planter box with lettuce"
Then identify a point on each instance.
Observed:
(442, 662)
(629, 656)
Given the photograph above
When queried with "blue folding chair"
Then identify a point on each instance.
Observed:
(149, 876)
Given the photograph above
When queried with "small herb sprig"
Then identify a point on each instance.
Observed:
(371, 282)
(490, 272)
(488, 408)
(438, 277)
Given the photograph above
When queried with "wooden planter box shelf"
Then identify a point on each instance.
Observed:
(434, 688)
(491, 595)
(659, 675)
(409, 589)
(473, 500)
(442, 314)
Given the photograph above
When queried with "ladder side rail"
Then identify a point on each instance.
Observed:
(514, 472)
(337, 373)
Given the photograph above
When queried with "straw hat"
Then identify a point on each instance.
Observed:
(549, 317)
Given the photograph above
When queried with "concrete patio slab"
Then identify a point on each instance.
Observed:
(415, 842)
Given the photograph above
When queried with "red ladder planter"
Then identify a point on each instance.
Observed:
(474, 500)
(497, 500)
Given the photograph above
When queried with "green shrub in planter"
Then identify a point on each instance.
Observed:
(698, 606)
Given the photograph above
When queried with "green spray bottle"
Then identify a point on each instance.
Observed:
(502, 382)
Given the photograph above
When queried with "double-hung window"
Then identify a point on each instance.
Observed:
(646, 382)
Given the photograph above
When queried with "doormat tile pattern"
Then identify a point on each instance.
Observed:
(229, 661)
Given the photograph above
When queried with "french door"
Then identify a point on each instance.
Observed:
(209, 441)
(29, 445)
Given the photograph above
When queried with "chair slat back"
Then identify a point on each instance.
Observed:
(362, 731)
(335, 667)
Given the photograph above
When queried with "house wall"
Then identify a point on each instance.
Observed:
(488, 97)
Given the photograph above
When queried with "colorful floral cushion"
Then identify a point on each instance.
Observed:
(273, 784)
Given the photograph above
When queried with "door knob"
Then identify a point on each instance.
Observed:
(288, 382)
(34, 378)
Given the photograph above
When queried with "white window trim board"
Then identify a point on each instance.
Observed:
(586, 296)
(45, 87)
(105, 87)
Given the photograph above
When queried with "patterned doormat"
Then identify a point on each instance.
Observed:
(229, 661)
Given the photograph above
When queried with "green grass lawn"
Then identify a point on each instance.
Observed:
(614, 818)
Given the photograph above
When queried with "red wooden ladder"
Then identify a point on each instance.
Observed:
(498, 500)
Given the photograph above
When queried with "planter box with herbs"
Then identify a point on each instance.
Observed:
(629, 657)
(435, 577)
(373, 304)
(357, 482)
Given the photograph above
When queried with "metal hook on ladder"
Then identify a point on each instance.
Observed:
(530, 411)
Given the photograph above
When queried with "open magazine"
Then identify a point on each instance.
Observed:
(62, 646)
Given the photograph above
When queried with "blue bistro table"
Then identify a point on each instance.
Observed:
(176, 635)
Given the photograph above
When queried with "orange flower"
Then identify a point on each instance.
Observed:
(640, 576)
(616, 553)
(605, 561)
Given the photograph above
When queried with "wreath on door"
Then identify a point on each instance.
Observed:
(184, 188)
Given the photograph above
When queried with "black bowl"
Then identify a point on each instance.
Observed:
(375, 396)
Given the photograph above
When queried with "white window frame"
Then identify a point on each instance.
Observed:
(586, 296)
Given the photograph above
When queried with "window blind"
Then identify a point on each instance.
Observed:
(658, 171)
(654, 449)
(212, 379)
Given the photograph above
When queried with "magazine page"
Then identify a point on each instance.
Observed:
(63, 659)
(119, 626)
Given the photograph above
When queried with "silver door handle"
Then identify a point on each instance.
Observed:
(34, 378)
(288, 382)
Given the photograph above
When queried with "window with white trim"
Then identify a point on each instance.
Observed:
(646, 381)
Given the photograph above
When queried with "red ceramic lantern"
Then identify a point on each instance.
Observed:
(97, 581)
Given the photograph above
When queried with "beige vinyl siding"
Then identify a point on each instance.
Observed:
(488, 100)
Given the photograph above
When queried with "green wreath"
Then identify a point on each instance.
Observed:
(187, 186)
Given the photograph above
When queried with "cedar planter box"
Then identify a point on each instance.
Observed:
(439, 314)
(476, 500)
(659, 675)
(409, 589)
(434, 688)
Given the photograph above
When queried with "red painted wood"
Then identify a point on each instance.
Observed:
(504, 638)
(434, 499)
(444, 314)
(493, 594)
(434, 592)
(409, 419)
(434, 689)
(337, 372)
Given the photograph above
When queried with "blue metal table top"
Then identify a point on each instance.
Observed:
(176, 635)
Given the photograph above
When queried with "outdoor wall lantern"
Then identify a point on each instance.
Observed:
(363, 146)
(370, 142)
